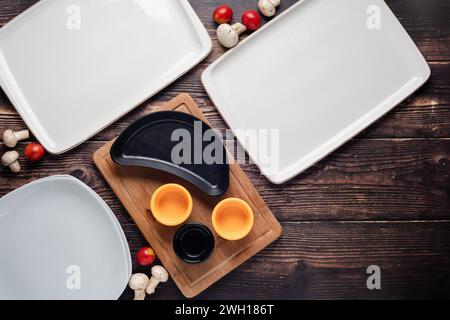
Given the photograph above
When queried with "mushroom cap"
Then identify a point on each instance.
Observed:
(9, 138)
(8, 133)
(227, 36)
(160, 274)
(267, 7)
(10, 157)
(139, 281)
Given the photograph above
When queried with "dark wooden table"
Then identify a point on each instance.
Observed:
(383, 198)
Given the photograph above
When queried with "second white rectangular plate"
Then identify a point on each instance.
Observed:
(72, 67)
(319, 74)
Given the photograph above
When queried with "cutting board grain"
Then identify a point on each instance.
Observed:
(134, 187)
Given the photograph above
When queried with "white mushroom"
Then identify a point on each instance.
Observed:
(268, 7)
(9, 159)
(10, 137)
(138, 283)
(228, 36)
(159, 274)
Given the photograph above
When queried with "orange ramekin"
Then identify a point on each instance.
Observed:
(232, 219)
(171, 204)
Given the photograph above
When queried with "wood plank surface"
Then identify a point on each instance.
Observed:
(383, 198)
(328, 260)
(400, 179)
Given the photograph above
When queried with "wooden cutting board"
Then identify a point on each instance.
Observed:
(134, 187)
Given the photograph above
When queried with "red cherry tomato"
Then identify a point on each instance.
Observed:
(223, 14)
(251, 19)
(34, 152)
(145, 256)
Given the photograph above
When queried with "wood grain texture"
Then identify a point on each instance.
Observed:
(134, 185)
(377, 180)
(328, 260)
(383, 198)
(426, 114)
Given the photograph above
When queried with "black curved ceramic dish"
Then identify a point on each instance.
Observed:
(193, 243)
(154, 139)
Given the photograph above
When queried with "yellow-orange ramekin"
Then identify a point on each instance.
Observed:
(232, 219)
(171, 204)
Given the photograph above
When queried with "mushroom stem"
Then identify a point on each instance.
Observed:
(22, 135)
(139, 294)
(15, 167)
(275, 3)
(152, 286)
(238, 28)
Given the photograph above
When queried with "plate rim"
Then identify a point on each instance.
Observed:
(293, 170)
(15, 94)
(107, 210)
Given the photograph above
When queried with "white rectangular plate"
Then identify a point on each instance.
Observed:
(319, 73)
(72, 67)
